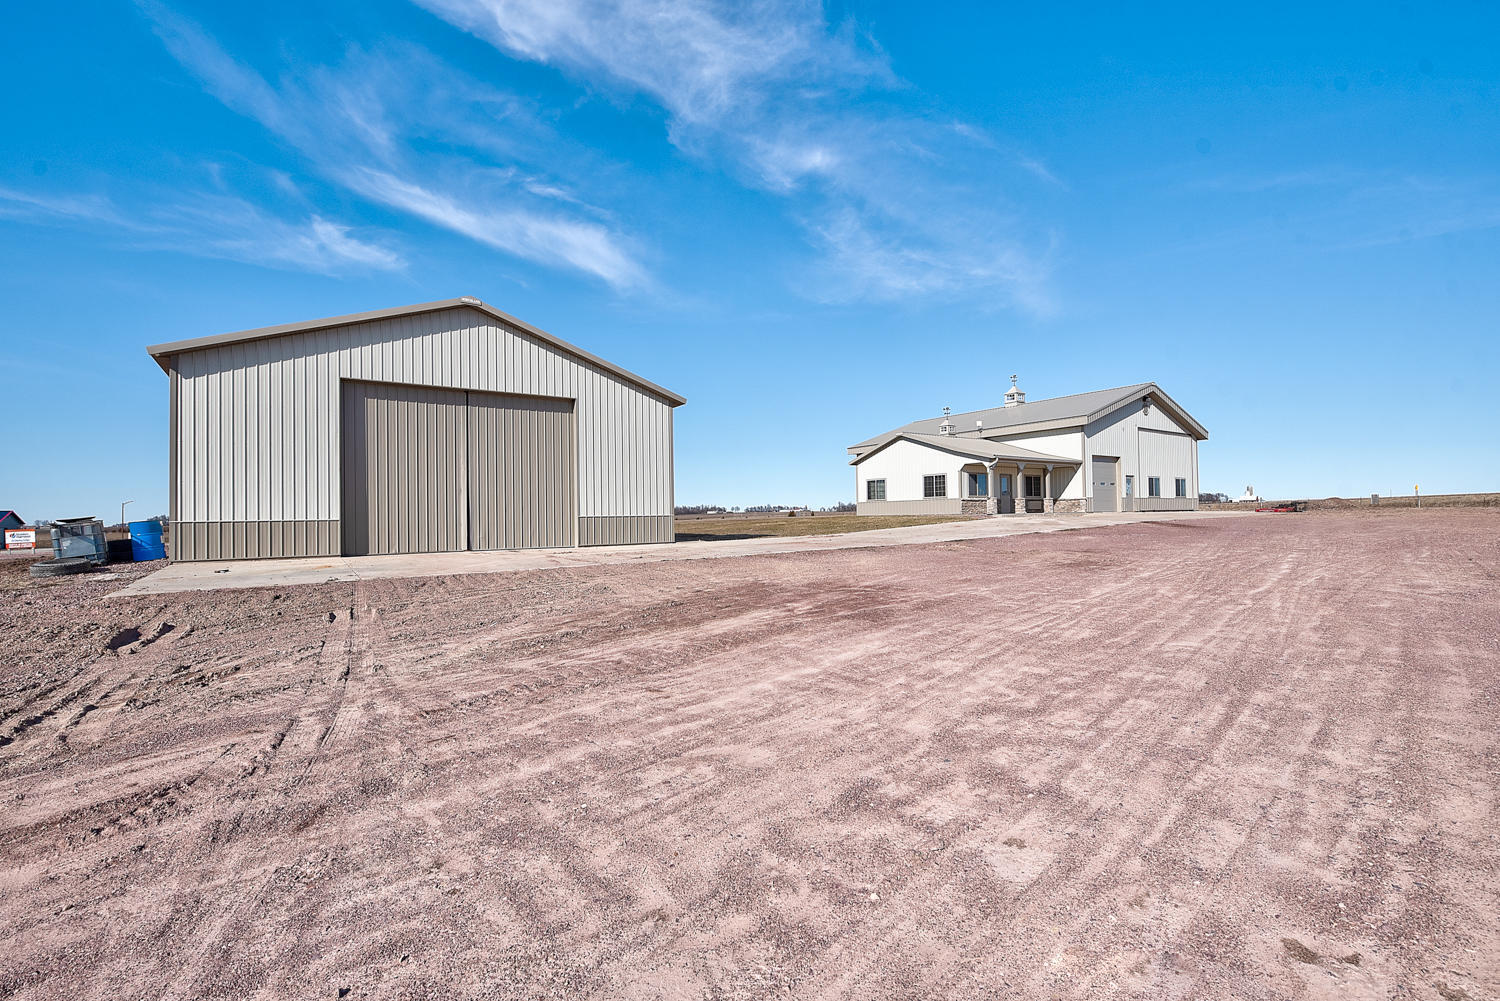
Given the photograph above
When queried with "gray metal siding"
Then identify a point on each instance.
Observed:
(258, 437)
(1144, 503)
(625, 530)
(174, 389)
(522, 472)
(1149, 442)
(405, 459)
(1168, 455)
(251, 540)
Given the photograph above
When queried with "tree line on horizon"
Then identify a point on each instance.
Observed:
(842, 507)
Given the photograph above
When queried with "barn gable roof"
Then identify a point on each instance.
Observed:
(1038, 415)
(164, 352)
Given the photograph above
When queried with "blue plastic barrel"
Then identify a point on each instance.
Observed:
(145, 541)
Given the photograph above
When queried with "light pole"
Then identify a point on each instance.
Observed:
(122, 511)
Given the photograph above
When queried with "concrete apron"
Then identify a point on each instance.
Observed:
(321, 569)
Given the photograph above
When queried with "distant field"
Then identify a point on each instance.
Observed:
(700, 528)
(1347, 503)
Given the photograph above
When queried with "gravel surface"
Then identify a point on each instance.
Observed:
(1243, 758)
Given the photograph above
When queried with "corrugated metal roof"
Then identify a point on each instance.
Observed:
(979, 448)
(162, 352)
(1057, 408)
(1079, 408)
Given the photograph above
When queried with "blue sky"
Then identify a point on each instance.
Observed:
(816, 222)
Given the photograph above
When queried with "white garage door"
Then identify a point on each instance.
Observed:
(1104, 484)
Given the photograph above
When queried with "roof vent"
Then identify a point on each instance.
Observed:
(947, 426)
(1013, 396)
(469, 298)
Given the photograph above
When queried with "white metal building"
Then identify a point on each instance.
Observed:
(441, 426)
(1126, 449)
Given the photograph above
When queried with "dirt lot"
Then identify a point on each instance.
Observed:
(1246, 758)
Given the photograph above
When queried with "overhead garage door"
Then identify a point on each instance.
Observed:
(1104, 484)
(437, 470)
(522, 463)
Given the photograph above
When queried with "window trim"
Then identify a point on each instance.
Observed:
(1026, 479)
(1153, 486)
(1181, 486)
(971, 483)
(870, 489)
(934, 486)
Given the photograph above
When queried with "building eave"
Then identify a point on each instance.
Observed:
(994, 434)
(1072, 422)
(1178, 414)
(956, 448)
(163, 353)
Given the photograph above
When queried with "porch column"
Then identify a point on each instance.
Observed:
(1047, 490)
(991, 502)
(1018, 488)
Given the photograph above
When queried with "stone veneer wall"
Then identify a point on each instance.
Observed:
(972, 506)
(1071, 506)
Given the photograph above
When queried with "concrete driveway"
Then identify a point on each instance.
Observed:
(315, 570)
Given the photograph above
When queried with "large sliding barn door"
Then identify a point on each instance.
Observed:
(523, 491)
(405, 460)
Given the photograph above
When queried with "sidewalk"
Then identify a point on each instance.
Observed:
(316, 570)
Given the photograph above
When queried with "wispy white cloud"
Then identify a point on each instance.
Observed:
(863, 262)
(1040, 170)
(901, 202)
(239, 231)
(213, 225)
(404, 130)
(704, 61)
(1413, 208)
(223, 77)
(585, 246)
(1335, 207)
(33, 205)
(1255, 182)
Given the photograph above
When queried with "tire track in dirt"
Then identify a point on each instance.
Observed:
(303, 747)
(1195, 770)
(1098, 763)
(1060, 872)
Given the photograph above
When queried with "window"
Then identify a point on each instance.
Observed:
(1181, 487)
(1033, 486)
(1129, 484)
(979, 484)
(874, 489)
(935, 486)
(1153, 486)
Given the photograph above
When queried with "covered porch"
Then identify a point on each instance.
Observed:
(1012, 483)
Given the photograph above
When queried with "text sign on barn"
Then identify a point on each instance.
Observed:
(20, 538)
